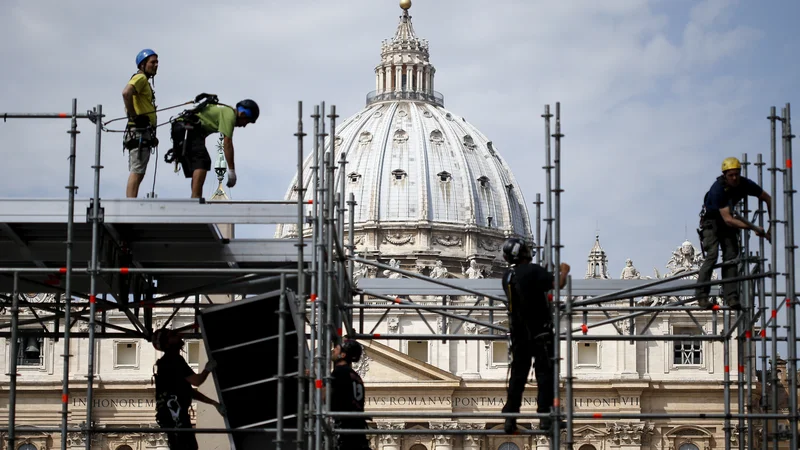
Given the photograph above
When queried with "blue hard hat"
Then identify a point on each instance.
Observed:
(144, 54)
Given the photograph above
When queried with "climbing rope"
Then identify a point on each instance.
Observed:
(158, 110)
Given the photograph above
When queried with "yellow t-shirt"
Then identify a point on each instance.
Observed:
(143, 97)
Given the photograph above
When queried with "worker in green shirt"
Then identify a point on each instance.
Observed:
(190, 130)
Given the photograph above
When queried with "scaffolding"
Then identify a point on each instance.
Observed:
(122, 243)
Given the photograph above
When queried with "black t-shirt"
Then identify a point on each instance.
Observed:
(347, 395)
(171, 378)
(720, 195)
(526, 288)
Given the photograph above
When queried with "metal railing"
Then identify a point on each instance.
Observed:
(381, 96)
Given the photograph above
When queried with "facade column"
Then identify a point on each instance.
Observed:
(541, 442)
(388, 441)
(443, 441)
(472, 441)
(409, 75)
(398, 81)
(630, 435)
(377, 80)
(432, 72)
(419, 79)
(387, 77)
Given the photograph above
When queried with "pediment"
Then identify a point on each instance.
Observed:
(386, 364)
(589, 433)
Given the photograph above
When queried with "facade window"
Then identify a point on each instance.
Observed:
(588, 354)
(418, 350)
(354, 177)
(30, 351)
(124, 447)
(508, 446)
(444, 176)
(688, 446)
(191, 352)
(500, 352)
(688, 352)
(27, 447)
(484, 181)
(399, 174)
(126, 354)
(587, 447)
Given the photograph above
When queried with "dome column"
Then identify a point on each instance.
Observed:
(418, 84)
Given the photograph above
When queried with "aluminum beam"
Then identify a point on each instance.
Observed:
(150, 211)
(491, 286)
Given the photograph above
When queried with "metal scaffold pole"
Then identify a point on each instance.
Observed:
(774, 279)
(788, 207)
(68, 288)
(95, 219)
(12, 370)
(301, 302)
(762, 312)
(557, 294)
(747, 301)
(330, 294)
(538, 243)
(315, 292)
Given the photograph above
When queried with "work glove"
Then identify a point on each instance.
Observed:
(231, 178)
(210, 365)
(220, 409)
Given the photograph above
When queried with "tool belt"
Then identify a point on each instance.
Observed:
(180, 130)
(138, 134)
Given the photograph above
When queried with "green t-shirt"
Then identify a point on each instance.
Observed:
(217, 118)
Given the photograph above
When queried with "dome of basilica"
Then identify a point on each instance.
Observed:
(426, 181)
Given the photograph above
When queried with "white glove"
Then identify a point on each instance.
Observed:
(221, 409)
(210, 365)
(231, 178)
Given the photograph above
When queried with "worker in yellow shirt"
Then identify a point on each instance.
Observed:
(140, 106)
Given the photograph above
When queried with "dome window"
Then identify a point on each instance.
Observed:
(354, 177)
(483, 181)
(400, 136)
(365, 137)
(444, 176)
(469, 142)
(490, 147)
(399, 174)
(436, 137)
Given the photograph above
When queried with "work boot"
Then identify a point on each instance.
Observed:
(511, 425)
(706, 303)
(547, 424)
(733, 303)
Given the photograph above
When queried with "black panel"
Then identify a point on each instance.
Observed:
(242, 337)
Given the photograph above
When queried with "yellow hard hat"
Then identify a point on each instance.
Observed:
(731, 163)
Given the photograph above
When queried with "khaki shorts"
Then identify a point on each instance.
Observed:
(138, 159)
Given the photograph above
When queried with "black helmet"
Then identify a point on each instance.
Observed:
(160, 338)
(249, 108)
(352, 349)
(515, 250)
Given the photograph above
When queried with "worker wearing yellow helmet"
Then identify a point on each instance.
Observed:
(719, 227)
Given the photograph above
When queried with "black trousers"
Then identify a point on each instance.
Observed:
(715, 236)
(538, 351)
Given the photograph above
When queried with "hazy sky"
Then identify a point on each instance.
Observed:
(654, 94)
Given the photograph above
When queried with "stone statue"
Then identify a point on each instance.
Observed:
(474, 271)
(685, 258)
(439, 270)
(391, 273)
(359, 271)
(630, 272)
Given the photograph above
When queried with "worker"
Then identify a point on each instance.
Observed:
(526, 284)
(140, 106)
(190, 130)
(347, 394)
(719, 228)
(174, 392)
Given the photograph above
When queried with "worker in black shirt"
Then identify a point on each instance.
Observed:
(347, 394)
(174, 392)
(719, 228)
(531, 327)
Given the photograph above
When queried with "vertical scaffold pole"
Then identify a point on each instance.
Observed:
(570, 402)
(791, 289)
(95, 218)
(300, 280)
(548, 236)
(556, 269)
(12, 370)
(763, 316)
(351, 211)
(538, 243)
(742, 354)
(73, 132)
(774, 278)
(331, 324)
(315, 237)
(322, 295)
(726, 402)
(281, 362)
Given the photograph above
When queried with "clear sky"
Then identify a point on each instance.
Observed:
(654, 94)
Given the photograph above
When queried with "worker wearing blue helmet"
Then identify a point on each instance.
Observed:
(140, 106)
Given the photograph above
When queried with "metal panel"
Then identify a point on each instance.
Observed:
(590, 288)
(150, 211)
(242, 337)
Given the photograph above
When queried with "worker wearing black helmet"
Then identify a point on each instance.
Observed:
(347, 394)
(174, 393)
(193, 127)
(719, 227)
(531, 328)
